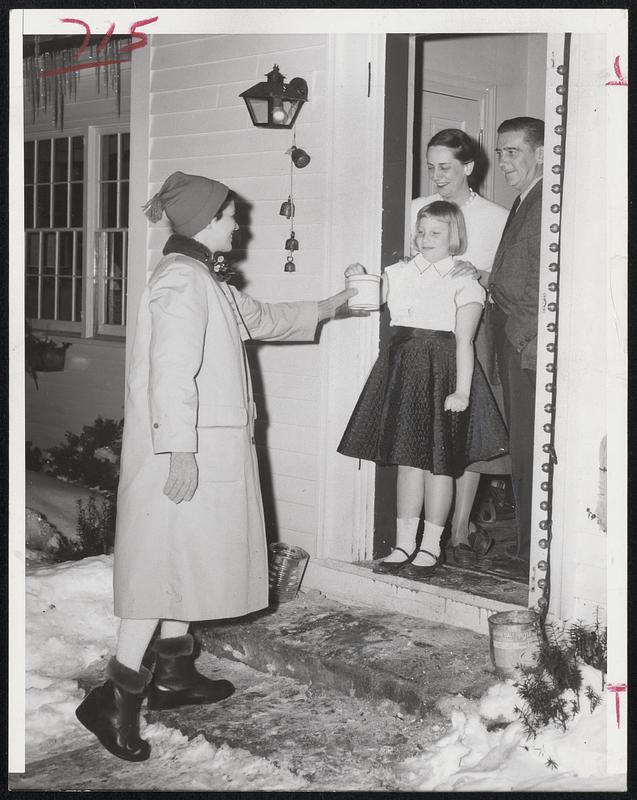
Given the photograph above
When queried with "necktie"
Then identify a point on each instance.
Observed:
(512, 212)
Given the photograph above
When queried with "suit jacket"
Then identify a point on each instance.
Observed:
(514, 281)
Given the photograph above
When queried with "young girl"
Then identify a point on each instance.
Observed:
(426, 405)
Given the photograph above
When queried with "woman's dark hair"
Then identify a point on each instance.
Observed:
(463, 146)
(230, 197)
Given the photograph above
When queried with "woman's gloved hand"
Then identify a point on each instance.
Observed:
(183, 477)
(336, 305)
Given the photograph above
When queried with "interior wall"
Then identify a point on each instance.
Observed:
(514, 63)
(92, 383)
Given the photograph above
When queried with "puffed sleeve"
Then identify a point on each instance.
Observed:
(179, 312)
(469, 291)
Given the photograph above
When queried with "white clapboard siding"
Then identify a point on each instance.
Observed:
(198, 124)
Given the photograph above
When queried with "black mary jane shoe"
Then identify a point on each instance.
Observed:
(389, 567)
(417, 571)
(464, 555)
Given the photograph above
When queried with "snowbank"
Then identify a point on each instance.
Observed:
(487, 748)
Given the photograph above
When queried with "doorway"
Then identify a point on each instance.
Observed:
(469, 82)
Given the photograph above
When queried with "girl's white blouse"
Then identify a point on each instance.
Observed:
(425, 295)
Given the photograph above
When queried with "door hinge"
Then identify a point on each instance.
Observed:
(369, 78)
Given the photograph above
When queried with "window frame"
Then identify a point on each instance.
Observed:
(89, 326)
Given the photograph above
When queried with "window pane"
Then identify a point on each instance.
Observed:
(109, 157)
(28, 206)
(113, 314)
(60, 199)
(123, 204)
(29, 154)
(43, 207)
(44, 161)
(77, 205)
(108, 208)
(65, 254)
(77, 158)
(78, 299)
(31, 307)
(32, 250)
(65, 299)
(125, 145)
(48, 250)
(48, 298)
(60, 159)
(78, 253)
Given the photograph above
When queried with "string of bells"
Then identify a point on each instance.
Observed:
(299, 159)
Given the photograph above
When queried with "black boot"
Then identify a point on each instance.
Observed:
(176, 682)
(111, 711)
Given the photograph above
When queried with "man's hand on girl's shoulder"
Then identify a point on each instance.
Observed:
(464, 269)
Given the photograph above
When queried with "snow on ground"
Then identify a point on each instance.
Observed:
(70, 626)
(476, 756)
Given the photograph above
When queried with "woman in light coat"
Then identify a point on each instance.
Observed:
(190, 541)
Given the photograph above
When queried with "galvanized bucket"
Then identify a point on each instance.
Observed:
(287, 565)
(514, 641)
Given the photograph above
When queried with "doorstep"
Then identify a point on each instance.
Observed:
(430, 600)
(356, 650)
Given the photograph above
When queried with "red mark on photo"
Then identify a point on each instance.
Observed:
(621, 81)
(616, 688)
(142, 41)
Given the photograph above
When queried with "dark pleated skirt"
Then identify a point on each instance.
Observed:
(400, 417)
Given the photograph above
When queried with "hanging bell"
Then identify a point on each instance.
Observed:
(290, 266)
(291, 243)
(300, 158)
(287, 208)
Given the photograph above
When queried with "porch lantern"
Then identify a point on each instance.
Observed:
(274, 103)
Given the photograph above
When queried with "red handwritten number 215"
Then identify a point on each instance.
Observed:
(140, 36)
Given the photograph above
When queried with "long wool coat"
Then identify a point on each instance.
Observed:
(189, 390)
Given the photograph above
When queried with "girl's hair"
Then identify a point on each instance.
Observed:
(464, 148)
(230, 197)
(453, 216)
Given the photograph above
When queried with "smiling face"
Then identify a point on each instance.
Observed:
(217, 236)
(450, 176)
(432, 238)
(520, 162)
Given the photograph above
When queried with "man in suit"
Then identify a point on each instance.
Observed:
(513, 304)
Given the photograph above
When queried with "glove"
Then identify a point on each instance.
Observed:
(336, 305)
(183, 477)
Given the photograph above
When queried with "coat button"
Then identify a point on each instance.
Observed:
(155, 424)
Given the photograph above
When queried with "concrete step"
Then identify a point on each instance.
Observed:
(358, 651)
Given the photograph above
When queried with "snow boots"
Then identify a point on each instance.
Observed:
(111, 711)
(176, 682)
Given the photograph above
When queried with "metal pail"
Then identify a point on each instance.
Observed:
(514, 641)
(287, 565)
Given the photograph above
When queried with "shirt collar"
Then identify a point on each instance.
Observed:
(442, 267)
(524, 194)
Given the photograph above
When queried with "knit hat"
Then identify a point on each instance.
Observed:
(189, 201)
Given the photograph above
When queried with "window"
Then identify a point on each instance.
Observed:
(76, 225)
(111, 234)
(54, 222)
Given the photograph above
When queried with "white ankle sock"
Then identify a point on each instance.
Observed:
(406, 528)
(431, 543)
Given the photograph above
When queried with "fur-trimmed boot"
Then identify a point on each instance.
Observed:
(111, 711)
(176, 682)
